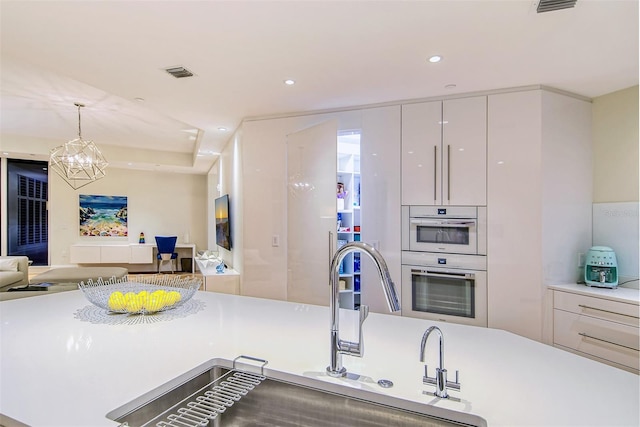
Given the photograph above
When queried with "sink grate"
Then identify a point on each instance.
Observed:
(206, 406)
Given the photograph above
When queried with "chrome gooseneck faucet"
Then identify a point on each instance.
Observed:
(338, 346)
(440, 380)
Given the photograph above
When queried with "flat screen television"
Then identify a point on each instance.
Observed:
(223, 224)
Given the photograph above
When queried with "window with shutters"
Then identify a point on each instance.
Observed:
(32, 211)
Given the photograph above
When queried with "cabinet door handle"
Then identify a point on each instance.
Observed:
(435, 175)
(448, 172)
(608, 342)
(607, 311)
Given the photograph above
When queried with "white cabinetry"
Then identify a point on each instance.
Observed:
(444, 151)
(85, 254)
(538, 202)
(115, 254)
(111, 254)
(133, 253)
(141, 254)
(597, 328)
(380, 175)
(227, 282)
(379, 198)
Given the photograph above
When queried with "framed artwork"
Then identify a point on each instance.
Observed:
(103, 216)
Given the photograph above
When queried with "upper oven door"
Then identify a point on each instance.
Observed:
(446, 235)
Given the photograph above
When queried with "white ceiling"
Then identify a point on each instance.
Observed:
(106, 54)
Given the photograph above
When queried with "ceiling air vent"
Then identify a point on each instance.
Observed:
(179, 72)
(551, 5)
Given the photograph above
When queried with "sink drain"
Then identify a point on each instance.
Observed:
(385, 383)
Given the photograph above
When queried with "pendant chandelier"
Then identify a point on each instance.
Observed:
(78, 162)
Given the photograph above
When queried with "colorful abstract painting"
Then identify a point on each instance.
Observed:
(103, 216)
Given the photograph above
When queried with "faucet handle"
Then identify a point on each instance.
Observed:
(426, 379)
(455, 384)
(442, 373)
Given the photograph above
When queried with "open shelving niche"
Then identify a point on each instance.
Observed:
(348, 216)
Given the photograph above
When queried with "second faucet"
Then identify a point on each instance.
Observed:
(440, 380)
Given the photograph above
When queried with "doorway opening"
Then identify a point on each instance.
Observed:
(348, 215)
(27, 215)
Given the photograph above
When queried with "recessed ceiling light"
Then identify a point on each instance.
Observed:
(289, 82)
(435, 58)
(222, 129)
(141, 100)
(451, 86)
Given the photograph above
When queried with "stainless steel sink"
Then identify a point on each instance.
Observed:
(272, 398)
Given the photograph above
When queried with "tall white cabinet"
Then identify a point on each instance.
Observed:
(311, 211)
(538, 202)
(444, 151)
(377, 206)
(380, 165)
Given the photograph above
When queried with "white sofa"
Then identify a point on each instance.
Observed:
(14, 272)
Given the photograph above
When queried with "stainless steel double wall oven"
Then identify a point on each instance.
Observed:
(444, 267)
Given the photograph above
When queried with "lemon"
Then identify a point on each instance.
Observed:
(153, 303)
(116, 301)
(159, 293)
(133, 304)
(129, 296)
(173, 297)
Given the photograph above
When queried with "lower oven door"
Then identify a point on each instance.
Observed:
(457, 296)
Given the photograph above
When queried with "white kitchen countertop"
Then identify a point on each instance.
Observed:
(59, 370)
(620, 294)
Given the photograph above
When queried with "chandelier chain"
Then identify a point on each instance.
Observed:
(79, 105)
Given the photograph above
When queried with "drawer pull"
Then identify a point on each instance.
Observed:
(607, 311)
(608, 342)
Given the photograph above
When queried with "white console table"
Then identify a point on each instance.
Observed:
(130, 253)
(227, 282)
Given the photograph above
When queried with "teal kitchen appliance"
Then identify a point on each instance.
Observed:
(601, 267)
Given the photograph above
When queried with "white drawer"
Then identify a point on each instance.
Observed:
(614, 311)
(79, 254)
(611, 341)
(141, 254)
(115, 254)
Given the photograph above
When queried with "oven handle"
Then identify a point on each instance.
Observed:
(427, 273)
(442, 222)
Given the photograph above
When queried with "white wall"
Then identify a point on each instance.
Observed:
(615, 147)
(158, 204)
(225, 178)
